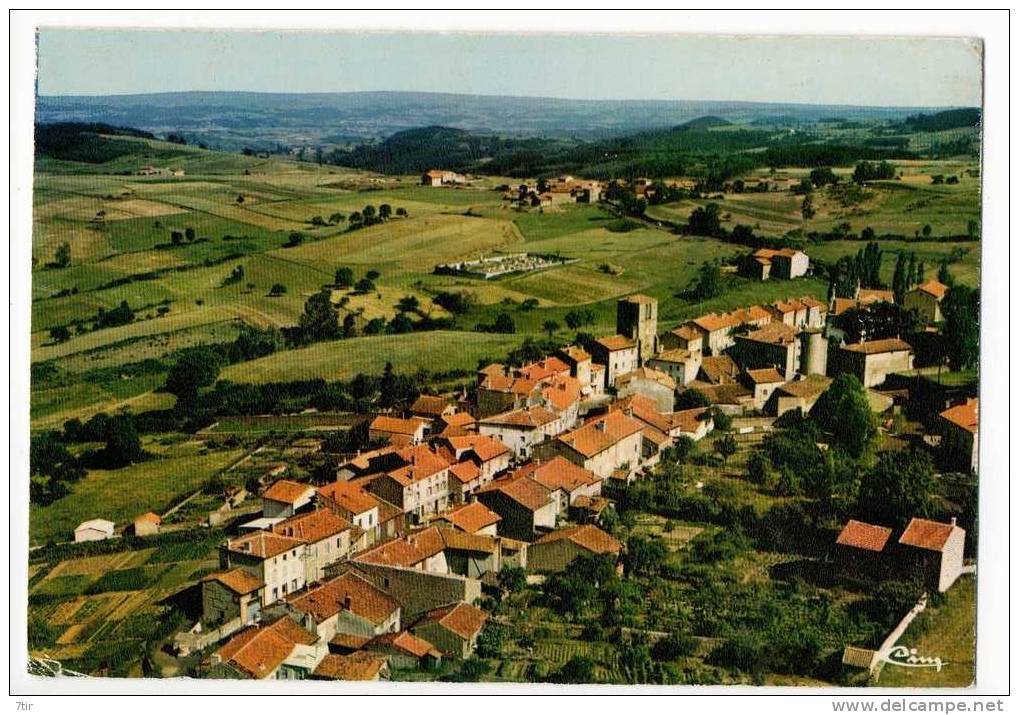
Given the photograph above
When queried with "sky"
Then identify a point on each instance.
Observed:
(910, 72)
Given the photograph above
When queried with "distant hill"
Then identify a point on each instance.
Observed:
(949, 119)
(91, 143)
(706, 123)
(232, 120)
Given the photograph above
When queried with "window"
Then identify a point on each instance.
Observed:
(284, 589)
(276, 592)
(337, 542)
(293, 584)
(284, 557)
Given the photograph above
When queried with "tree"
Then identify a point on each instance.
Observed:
(277, 290)
(529, 304)
(364, 285)
(407, 304)
(926, 230)
(294, 239)
(898, 487)
(807, 207)
(356, 220)
(504, 324)
(194, 369)
(944, 275)
(578, 318)
(62, 257)
(401, 212)
(690, 398)
(336, 218)
(705, 221)
(490, 640)
(726, 447)
(52, 467)
(123, 446)
(240, 199)
(189, 234)
(822, 176)
(709, 281)
(512, 579)
(368, 212)
(550, 326)
(674, 645)
(579, 669)
(758, 468)
(644, 556)
(60, 334)
(385, 211)
(344, 277)
(319, 319)
(176, 238)
(961, 308)
(844, 412)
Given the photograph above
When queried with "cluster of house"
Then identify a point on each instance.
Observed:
(930, 550)
(149, 170)
(554, 192)
(785, 263)
(441, 177)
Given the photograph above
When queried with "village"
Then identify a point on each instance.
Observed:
(386, 567)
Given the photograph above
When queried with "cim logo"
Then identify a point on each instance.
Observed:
(908, 658)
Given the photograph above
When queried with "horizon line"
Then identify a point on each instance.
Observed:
(505, 96)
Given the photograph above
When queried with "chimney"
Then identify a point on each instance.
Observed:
(346, 603)
(600, 425)
(953, 521)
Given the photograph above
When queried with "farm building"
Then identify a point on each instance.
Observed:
(146, 524)
(872, 361)
(926, 299)
(453, 629)
(93, 530)
(936, 549)
(554, 552)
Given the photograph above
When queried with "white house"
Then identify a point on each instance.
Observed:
(93, 530)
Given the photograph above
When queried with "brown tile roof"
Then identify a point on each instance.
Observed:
(926, 534)
(355, 666)
(561, 392)
(688, 421)
(543, 369)
(719, 369)
(841, 305)
(526, 417)
(773, 333)
(873, 347)
(673, 356)
(351, 642)
(966, 415)
(471, 517)
(465, 472)
(935, 288)
(420, 462)
(601, 433)
(860, 535)
(616, 342)
(687, 332)
(313, 526)
(149, 518)
(875, 295)
(463, 619)
(587, 536)
(509, 384)
(646, 373)
(460, 419)
(527, 493)
(395, 425)
(765, 376)
(263, 544)
(732, 393)
(594, 505)
(349, 496)
(404, 641)
(331, 597)
(287, 491)
(462, 541)
(808, 387)
(259, 650)
(575, 353)
(788, 306)
(558, 473)
(237, 580)
(814, 303)
(407, 551)
(486, 447)
(431, 405)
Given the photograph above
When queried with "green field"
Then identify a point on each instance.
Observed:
(122, 494)
(949, 633)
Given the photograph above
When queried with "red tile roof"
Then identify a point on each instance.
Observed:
(407, 551)
(149, 517)
(562, 391)
(486, 447)
(765, 376)
(966, 415)
(471, 517)
(349, 592)
(543, 369)
(431, 405)
(874, 347)
(404, 641)
(395, 425)
(719, 369)
(526, 417)
(237, 580)
(601, 433)
(935, 288)
(349, 496)
(259, 650)
(313, 526)
(463, 619)
(613, 343)
(263, 544)
(465, 472)
(875, 295)
(287, 491)
(926, 534)
(587, 536)
(355, 666)
(527, 493)
(865, 536)
(773, 333)
(646, 373)
(558, 473)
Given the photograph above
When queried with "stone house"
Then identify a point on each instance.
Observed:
(397, 430)
(603, 445)
(798, 395)
(926, 299)
(420, 487)
(861, 550)
(453, 628)
(775, 345)
(472, 518)
(872, 361)
(651, 383)
(679, 364)
(618, 354)
(781, 263)
(936, 549)
(686, 337)
(147, 524)
(326, 537)
(527, 508)
(349, 604)
(764, 382)
(227, 595)
(405, 651)
(523, 429)
(960, 430)
(554, 552)
(282, 650)
(566, 480)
